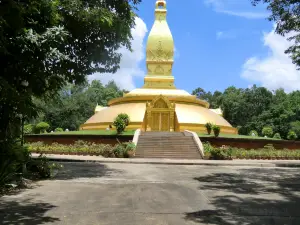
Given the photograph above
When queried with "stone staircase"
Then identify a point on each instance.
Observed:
(172, 145)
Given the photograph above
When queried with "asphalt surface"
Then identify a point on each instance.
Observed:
(135, 194)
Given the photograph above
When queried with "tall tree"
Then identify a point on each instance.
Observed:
(286, 14)
(212, 99)
(46, 43)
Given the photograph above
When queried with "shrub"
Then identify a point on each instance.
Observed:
(253, 133)
(221, 153)
(108, 152)
(292, 135)
(267, 131)
(42, 166)
(58, 129)
(119, 150)
(126, 149)
(119, 124)
(28, 128)
(216, 130)
(208, 127)
(277, 136)
(217, 153)
(295, 126)
(129, 149)
(12, 160)
(125, 118)
(42, 127)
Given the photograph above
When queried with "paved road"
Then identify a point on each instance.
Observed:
(137, 194)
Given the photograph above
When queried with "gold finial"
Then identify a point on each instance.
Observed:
(161, 4)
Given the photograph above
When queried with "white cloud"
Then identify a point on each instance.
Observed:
(129, 65)
(226, 34)
(240, 8)
(276, 70)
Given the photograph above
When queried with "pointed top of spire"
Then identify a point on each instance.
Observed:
(161, 4)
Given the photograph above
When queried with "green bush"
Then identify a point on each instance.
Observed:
(107, 151)
(125, 118)
(217, 153)
(207, 148)
(129, 149)
(268, 152)
(119, 124)
(119, 151)
(58, 129)
(292, 135)
(253, 133)
(220, 154)
(42, 127)
(267, 131)
(42, 166)
(208, 127)
(28, 129)
(295, 126)
(12, 160)
(216, 130)
(277, 136)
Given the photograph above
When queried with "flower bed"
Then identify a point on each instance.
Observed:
(121, 150)
(266, 153)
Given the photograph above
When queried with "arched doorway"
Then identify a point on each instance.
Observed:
(160, 115)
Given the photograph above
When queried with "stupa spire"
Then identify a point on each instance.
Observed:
(160, 51)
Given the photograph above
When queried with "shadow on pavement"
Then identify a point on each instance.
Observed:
(25, 213)
(252, 196)
(84, 170)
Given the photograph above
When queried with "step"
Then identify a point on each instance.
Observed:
(162, 134)
(167, 150)
(167, 145)
(166, 157)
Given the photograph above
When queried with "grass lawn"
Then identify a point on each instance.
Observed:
(235, 136)
(93, 132)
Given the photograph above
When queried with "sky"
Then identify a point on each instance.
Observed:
(218, 43)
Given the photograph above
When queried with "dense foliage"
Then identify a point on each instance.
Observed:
(256, 107)
(286, 14)
(75, 104)
(45, 44)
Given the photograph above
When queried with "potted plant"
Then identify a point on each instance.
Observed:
(208, 127)
(216, 130)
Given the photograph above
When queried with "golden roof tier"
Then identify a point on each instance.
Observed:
(158, 105)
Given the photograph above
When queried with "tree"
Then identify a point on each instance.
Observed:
(75, 104)
(120, 122)
(212, 99)
(45, 44)
(286, 14)
(295, 126)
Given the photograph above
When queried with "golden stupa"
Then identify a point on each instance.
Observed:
(159, 105)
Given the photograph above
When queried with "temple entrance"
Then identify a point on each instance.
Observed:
(160, 115)
(160, 121)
